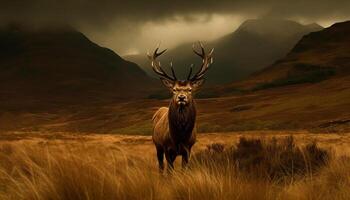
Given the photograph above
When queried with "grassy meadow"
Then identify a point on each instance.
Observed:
(237, 165)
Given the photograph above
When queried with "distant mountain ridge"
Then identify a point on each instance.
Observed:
(318, 55)
(63, 64)
(254, 45)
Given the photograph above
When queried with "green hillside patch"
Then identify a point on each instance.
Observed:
(303, 73)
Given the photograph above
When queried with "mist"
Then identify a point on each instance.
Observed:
(132, 27)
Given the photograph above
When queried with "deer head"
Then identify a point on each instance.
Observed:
(182, 89)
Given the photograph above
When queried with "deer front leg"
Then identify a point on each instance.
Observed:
(170, 156)
(160, 156)
(185, 157)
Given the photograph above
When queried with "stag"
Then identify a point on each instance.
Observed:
(174, 131)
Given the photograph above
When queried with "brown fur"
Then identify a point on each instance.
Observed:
(174, 132)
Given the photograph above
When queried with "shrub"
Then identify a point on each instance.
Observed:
(256, 158)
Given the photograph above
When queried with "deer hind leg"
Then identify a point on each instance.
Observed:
(170, 156)
(160, 156)
(185, 153)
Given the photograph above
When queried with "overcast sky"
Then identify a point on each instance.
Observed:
(134, 26)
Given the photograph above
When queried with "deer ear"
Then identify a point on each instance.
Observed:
(197, 83)
(167, 83)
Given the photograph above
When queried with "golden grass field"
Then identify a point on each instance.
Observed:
(92, 166)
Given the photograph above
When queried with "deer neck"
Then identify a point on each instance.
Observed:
(182, 119)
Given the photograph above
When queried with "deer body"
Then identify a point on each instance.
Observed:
(174, 131)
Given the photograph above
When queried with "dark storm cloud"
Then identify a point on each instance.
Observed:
(102, 12)
(135, 25)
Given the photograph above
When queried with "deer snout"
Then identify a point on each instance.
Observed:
(182, 97)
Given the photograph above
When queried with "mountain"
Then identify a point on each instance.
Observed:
(317, 56)
(318, 103)
(62, 64)
(254, 45)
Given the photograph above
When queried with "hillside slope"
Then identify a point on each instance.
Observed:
(317, 56)
(61, 64)
(316, 107)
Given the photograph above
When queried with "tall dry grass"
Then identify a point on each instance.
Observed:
(61, 172)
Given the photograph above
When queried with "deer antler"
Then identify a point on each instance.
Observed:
(157, 68)
(207, 60)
